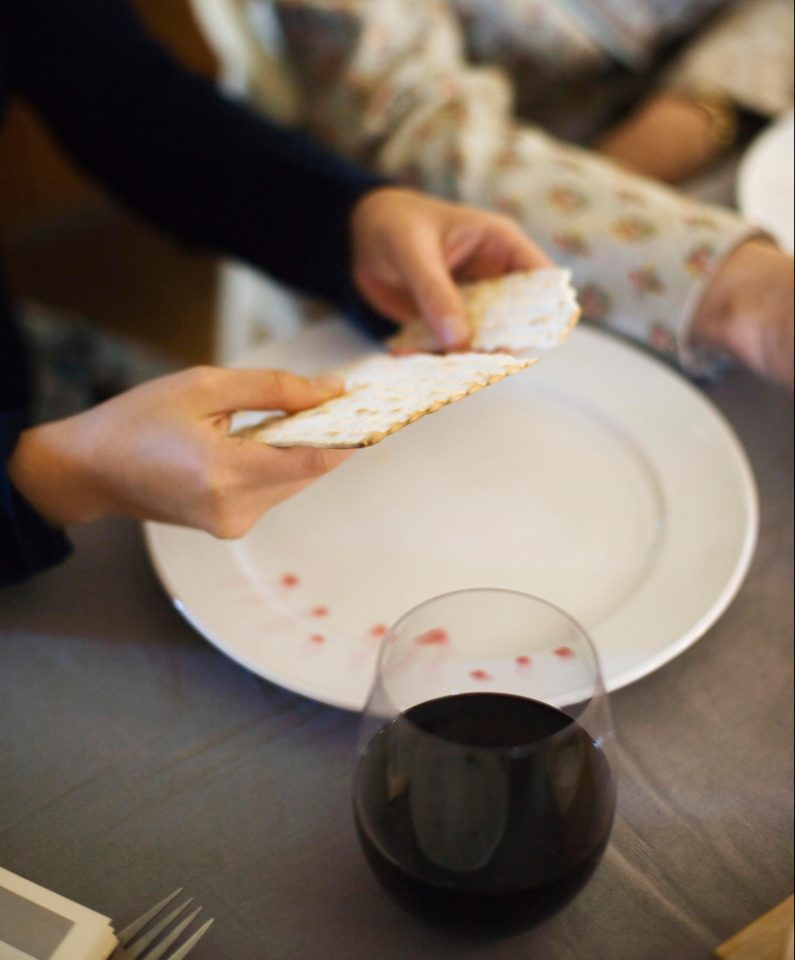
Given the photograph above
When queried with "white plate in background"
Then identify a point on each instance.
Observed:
(766, 190)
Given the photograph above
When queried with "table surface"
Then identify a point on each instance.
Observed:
(134, 758)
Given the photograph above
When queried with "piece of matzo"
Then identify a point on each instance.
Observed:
(519, 313)
(384, 394)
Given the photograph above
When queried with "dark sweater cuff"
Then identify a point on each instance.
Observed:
(28, 544)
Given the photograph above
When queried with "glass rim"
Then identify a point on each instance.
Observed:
(599, 688)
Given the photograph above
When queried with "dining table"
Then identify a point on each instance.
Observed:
(136, 758)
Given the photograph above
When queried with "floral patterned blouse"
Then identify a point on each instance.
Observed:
(423, 90)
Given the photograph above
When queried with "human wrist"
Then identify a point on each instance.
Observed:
(375, 197)
(720, 114)
(747, 310)
(51, 469)
(720, 318)
(670, 137)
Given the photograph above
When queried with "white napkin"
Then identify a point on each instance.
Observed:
(36, 924)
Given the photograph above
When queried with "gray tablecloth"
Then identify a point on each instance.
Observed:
(134, 758)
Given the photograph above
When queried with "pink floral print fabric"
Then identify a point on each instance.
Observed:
(391, 83)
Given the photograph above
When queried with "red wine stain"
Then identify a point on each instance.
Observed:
(318, 638)
(320, 612)
(524, 662)
(433, 638)
(565, 653)
(290, 580)
(379, 631)
(481, 675)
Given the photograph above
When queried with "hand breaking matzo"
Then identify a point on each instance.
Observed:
(519, 313)
(383, 395)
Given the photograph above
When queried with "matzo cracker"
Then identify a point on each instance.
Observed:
(385, 394)
(520, 313)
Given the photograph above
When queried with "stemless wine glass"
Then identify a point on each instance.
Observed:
(485, 791)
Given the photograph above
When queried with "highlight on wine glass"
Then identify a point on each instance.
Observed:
(485, 790)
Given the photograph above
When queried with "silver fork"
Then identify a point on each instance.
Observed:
(146, 939)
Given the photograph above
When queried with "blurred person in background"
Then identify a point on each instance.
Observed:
(492, 101)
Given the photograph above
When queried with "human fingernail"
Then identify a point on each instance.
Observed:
(453, 333)
(329, 384)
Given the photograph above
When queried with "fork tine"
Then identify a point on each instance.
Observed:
(160, 950)
(137, 926)
(186, 948)
(148, 938)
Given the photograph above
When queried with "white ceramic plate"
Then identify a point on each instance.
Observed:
(766, 188)
(598, 480)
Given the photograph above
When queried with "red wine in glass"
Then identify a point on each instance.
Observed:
(484, 812)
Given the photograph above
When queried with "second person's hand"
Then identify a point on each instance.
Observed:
(748, 311)
(410, 250)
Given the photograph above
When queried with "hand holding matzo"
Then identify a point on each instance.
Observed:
(518, 314)
(412, 253)
(163, 452)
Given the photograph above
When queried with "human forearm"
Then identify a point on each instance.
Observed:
(50, 467)
(741, 64)
(673, 136)
(748, 311)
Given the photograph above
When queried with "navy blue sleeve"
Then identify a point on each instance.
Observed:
(164, 141)
(204, 168)
(28, 545)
